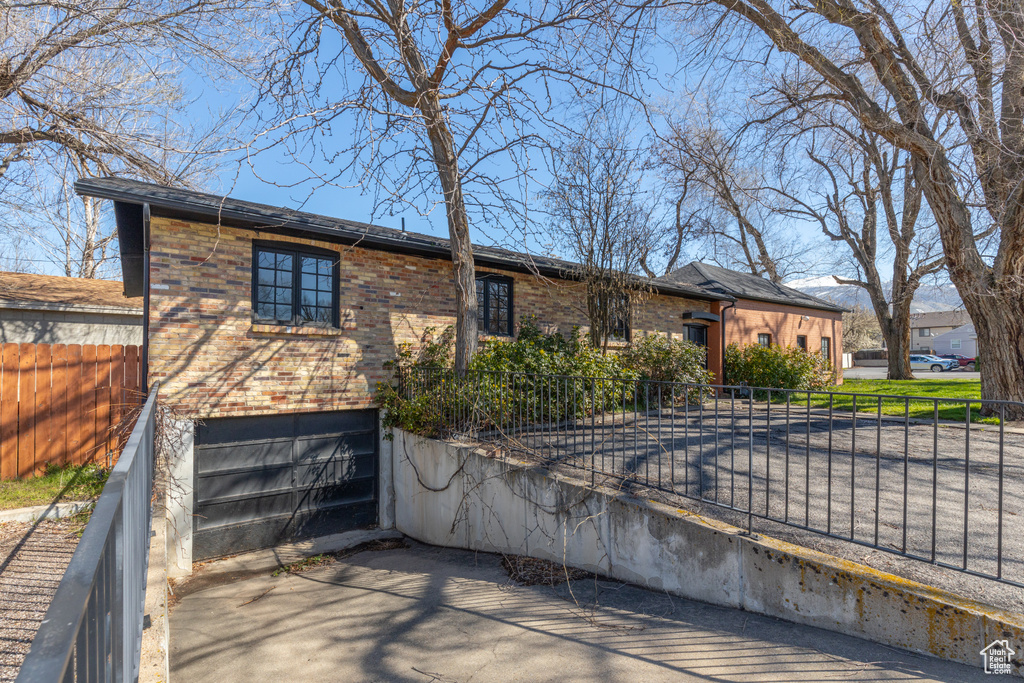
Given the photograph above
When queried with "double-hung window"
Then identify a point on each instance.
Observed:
(764, 339)
(294, 285)
(494, 304)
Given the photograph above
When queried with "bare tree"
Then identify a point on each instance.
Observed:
(99, 88)
(957, 64)
(68, 230)
(861, 330)
(866, 188)
(449, 99)
(602, 217)
(722, 201)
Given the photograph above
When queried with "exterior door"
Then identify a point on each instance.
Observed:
(261, 481)
(698, 334)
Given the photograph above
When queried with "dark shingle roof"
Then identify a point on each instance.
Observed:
(744, 286)
(190, 205)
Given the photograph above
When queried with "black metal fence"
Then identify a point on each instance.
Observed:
(93, 628)
(921, 477)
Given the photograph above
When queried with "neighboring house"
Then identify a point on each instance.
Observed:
(272, 326)
(925, 327)
(47, 309)
(963, 341)
(766, 313)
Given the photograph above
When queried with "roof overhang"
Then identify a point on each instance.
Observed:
(131, 240)
(129, 198)
(701, 315)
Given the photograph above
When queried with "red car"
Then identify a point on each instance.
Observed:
(963, 360)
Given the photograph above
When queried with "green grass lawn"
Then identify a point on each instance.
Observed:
(929, 389)
(64, 483)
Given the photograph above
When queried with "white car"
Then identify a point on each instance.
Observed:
(933, 363)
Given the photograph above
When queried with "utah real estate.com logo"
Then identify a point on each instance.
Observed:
(997, 657)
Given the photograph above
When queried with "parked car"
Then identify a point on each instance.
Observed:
(933, 363)
(964, 361)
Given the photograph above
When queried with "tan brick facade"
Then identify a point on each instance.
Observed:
(213, 361)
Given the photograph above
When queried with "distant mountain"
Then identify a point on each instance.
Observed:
(929, 297)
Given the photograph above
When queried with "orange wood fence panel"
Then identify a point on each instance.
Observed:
(60, 404)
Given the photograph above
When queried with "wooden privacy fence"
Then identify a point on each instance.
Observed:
(60, 403)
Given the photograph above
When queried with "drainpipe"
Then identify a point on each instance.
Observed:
(721, 315)
(145, 299)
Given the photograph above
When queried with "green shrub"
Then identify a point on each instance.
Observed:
(536, 378)
(661, 359)
(775, 367)
(534, 352)
(546, 378)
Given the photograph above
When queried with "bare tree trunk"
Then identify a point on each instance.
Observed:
(87, 266)
(466, 323)
(993, 297)
(896, 332)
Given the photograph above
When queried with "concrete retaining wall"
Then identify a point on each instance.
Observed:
(457, 496)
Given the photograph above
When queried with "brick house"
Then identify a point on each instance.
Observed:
(272, 326)
(764, 313)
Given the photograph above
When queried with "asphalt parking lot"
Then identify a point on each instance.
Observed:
(422, 613)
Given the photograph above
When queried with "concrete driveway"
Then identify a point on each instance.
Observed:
(425, 614)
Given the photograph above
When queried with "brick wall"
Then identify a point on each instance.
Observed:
(213, 361)
(748, 318)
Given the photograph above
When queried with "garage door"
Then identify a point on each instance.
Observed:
(260, 481)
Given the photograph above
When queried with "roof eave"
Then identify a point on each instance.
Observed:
(276, 224)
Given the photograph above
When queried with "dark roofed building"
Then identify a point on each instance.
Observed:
(273, 326)
(766, 313)
(744, 285)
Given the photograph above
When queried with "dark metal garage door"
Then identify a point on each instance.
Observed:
(260, 481)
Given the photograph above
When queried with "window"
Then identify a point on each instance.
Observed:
(801, 341)
(294, 286)
(494, 305)
(826, 347)
(616, 306)
(764, 339)
(924, 332)
(954, 344)
(698, 334)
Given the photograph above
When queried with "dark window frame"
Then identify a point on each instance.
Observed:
(621, 328)
(296, 251)
(483, 325)
(801, 341)
(704, 332)
(702, 328)
(826, 347)
(761, 343)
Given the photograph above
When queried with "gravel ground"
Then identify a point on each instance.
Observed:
(928, 494)
(33, 561)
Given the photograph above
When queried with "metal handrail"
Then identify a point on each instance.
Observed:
(93, 628)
